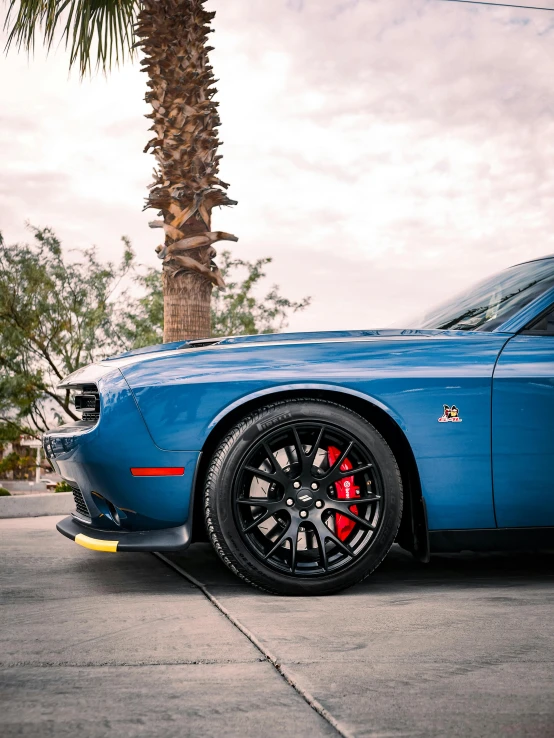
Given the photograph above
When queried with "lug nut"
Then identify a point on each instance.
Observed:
(296, 485)
(303, 514)
(319, 503)
(315, 485)
(290, 502)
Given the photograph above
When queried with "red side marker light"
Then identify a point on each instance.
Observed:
(157, 471)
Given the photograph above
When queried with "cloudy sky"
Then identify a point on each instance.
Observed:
(384, 152)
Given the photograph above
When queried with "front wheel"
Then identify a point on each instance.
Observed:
(303, 497)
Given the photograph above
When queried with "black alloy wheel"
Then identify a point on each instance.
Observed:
(288, 482)
(303, 497)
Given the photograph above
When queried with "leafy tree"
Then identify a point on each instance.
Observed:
(55, 316)
(21, 466)
(173, 37)
(142, 321)
(237, 311)
(58, 314)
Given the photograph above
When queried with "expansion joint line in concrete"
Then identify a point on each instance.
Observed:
(268, 655)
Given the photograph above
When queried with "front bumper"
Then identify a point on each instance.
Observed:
(96, 460)
(168, 539)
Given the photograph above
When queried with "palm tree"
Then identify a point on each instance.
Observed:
(173, 37)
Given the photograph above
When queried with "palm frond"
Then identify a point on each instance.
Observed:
(98, 33)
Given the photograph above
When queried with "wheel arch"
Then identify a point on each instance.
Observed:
(413, 532)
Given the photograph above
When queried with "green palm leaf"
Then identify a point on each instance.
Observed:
(97, 32)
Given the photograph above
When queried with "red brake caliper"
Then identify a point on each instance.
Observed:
(345, 491)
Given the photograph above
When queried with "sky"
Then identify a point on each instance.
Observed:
(384, 153)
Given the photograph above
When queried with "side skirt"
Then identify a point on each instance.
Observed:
(491, 539)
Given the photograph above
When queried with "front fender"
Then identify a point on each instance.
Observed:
(308, 387)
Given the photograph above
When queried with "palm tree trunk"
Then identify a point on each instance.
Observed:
(186, 187)
(186, 306)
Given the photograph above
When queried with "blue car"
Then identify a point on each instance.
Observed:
(303, 457)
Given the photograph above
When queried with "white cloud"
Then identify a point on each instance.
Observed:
(383, 152)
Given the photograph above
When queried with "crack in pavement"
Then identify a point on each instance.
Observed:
(89, 664)
(287, 675)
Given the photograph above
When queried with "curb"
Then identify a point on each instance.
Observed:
(34, 506)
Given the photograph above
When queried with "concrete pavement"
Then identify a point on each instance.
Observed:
(93, 644)
(461, 647)
(120, 642)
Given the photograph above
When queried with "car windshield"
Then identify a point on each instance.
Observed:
(491, 302)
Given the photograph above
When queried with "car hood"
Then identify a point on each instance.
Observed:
(214, 346)
(264, 339)
(234, 340)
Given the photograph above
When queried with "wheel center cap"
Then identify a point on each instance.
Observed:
(304, 499)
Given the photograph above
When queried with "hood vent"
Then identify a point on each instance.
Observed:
(200, 342)
(159, 348)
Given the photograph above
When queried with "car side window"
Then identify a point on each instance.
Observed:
(543, 326)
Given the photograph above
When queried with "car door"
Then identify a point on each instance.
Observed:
(523, 427)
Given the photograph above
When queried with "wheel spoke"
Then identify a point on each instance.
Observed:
(270, 506)
(290, 457)
(338, 463)
(342, 502)
(356, 470)
(260, 519)
(271, 456)
(279, 542)
(322, 549)
(262, 474)
(313, 450)
(276, 528)
(279, 473)
(336, 473)
(278, 476)
(301, 456)
(253, 502)
(293, 549)
(356, 518)
(337, 541)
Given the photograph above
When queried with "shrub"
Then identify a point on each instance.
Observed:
(4, 492)
(63, 487)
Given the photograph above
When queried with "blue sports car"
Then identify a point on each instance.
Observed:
(303, 457)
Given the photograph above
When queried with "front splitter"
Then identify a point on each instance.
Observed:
(166, 539)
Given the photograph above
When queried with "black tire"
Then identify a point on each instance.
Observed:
(251, 455)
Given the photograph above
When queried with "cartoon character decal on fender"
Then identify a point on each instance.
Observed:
(450, 415)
